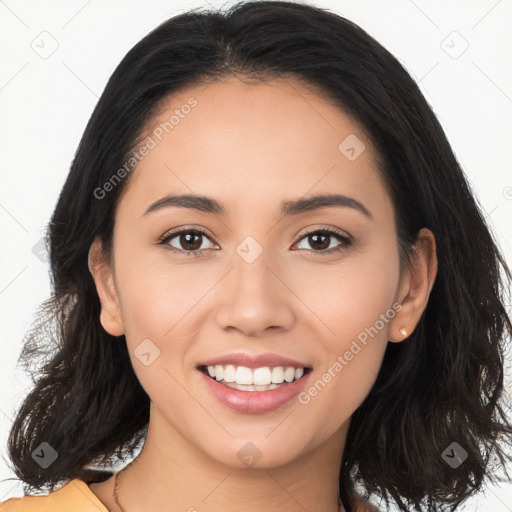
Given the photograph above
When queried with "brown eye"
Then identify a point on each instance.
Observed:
(320, 241)
(190, 241)
(185, 241)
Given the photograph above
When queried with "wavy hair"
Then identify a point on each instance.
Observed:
(443, 385)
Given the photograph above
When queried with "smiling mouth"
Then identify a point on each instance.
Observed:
(264, 378)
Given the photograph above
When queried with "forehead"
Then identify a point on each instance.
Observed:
(242, 142)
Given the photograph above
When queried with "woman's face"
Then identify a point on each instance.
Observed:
(259, 285)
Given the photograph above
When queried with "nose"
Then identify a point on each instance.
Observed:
(254, 298)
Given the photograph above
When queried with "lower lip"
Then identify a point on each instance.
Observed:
(255, 401)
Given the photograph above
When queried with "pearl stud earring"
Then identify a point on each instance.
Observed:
(403, 332)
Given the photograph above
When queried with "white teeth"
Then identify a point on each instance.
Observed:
(264, 388)
(243, 387)
(278, 375)
(289, 374)
(219, 372)
(243, 375)
(259, 377)
(229, 373)
(262, 376)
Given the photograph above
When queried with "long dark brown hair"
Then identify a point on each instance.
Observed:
(443, 385)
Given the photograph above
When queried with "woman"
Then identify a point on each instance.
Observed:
(269, 269)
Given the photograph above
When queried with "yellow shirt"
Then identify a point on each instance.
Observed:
(75, 496)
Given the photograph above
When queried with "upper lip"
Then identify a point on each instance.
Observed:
(254, 360)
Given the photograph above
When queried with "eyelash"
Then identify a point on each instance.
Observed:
(344, 239)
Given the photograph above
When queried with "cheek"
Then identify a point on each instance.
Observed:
(155, 292)
(157, 303)
(338, 389)
(350, 296)
(354, 301)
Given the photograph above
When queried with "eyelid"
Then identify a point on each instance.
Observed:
(187, 227)
(330, 229)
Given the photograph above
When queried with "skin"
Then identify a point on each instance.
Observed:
(238, 147)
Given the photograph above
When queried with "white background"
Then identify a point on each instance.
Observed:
(45, 104)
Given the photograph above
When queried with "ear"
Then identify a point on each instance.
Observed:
(415, 287)
(103, 275)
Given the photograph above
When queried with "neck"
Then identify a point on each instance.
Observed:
(169, 470)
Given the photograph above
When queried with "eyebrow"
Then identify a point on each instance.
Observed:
(288, 208)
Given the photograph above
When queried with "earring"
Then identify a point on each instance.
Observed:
(403, 332)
